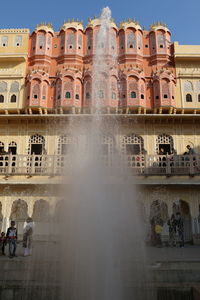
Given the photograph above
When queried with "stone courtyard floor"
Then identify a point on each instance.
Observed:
(154, 254)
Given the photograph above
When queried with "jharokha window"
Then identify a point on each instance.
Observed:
(101, 94)
(188, 98)
(133, 95)
(67, 95)
(114, 95)
(87, 95)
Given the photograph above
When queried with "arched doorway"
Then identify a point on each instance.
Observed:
(159, 209)
(183, 208)
(158, 216)
(19, 214)
(41, 215)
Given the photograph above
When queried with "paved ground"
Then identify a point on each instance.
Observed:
(188, 253)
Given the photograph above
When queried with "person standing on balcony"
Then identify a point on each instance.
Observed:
(162, 159)
(190, 150)
(172, 231)
(180, 228)
(12, 239)
(27, 236)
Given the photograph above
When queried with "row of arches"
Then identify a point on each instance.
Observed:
(191, 91)
(159, 213)
(73, 40)
(132, 144)
(111, 91)
(42, 213)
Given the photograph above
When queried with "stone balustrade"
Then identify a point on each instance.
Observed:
(147, 165)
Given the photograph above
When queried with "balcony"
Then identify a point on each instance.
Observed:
(144, 165)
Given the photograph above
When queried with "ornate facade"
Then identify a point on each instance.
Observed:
(46, 81)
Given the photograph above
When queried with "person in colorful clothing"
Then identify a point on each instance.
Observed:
(3, 242)
(12, 239)
(180, 228)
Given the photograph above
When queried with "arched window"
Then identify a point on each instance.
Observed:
(114, 95)
(36, 91)
(131, 40)
(71, 40)
(188, 86)
(77, 96)
(165, 89)
(161, 40)
(199, 98)
(164, 144)
(142, 96)
(13, 99)
(67, 95)
(88, 96)
(41, 41)
(100, 94)
(12, 148)
(65, 143)
(44, 90)
(188, 98)
(1, 98)
(132, 144)
(133, 95)
(36, 144)
(14, 87)
(106, 144)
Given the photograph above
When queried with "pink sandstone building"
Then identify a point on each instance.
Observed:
(60, 68)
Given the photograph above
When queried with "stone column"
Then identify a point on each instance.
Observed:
(30, 207)
(194, 210)
(6, 211)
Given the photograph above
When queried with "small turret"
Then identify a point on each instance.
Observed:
(42, 39)
(159, 39)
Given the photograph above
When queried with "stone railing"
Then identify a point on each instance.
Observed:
(138, 164)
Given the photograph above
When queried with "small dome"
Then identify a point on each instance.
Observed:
(159, 26)
(44, 27)
(97, 22)
(130, 23)
(72, 24)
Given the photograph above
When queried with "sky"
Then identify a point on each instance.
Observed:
(181, 16)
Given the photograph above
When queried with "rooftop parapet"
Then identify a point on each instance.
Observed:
(131, 23)
(186, 51)
(97, 22)
(47, 27)
(159, 26)
(78, 25)
(14, 30)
